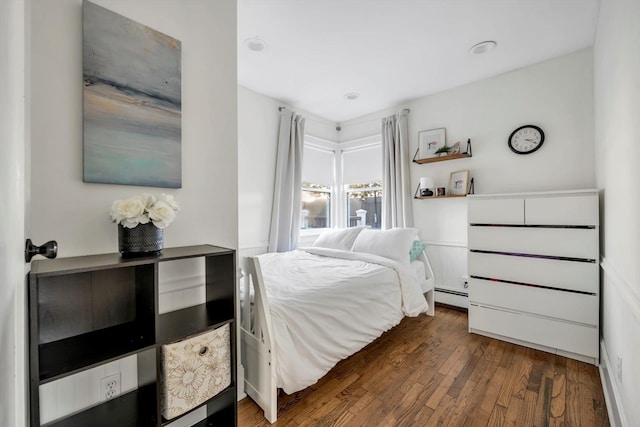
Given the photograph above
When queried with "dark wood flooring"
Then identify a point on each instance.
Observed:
(430, 371)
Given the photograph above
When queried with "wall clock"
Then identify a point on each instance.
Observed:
(526, 139)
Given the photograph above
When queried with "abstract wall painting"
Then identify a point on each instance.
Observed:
(132, 102)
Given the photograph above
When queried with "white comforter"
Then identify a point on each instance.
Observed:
(327, 304)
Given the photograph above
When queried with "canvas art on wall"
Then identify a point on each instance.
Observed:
(132, 102)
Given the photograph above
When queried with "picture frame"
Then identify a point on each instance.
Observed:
(430, 141)
(459, 183)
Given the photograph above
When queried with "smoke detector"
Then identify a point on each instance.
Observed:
(483, 47)
(256, 44)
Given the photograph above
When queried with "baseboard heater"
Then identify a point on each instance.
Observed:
(452, 292)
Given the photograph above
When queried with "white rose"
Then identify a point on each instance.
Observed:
(162, 214)
(148, 200)
(168, 198)
(129, 213)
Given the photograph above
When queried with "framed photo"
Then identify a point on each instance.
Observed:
(459, 183)
(430, 141)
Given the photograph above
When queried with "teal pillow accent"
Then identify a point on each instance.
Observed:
(416, 250)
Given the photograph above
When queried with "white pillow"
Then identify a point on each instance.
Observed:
(338, 238)
(394, 244)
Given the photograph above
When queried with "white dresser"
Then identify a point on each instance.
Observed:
(533, 270)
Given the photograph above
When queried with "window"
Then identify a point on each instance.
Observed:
(318, 166)
(364, 204)
(362, 180)
(316, 206)
(341, 184)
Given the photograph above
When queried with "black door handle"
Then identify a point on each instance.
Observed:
(49, 250)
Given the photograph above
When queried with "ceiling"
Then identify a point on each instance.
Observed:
(391, 51)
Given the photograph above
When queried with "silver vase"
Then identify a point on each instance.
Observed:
(142, 240)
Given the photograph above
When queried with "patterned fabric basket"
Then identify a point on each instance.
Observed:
(194, 370)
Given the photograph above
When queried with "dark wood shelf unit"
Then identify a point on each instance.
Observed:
(132, 409)
(177, 325)
(73, 265)
(89, 310)
(71, 355)
(220, 413)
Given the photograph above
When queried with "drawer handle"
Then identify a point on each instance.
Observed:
(203, 350)
(516, 254)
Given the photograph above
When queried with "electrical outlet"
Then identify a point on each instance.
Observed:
(619, 367)
(110, 386)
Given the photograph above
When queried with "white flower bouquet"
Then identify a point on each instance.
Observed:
(160, 211)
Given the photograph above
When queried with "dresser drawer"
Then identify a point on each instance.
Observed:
(566, 210)
(570, 306)
(495, 211)
(556, 334)
(563, 242)
(570, 275)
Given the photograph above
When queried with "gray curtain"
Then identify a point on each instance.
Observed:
(396, 200)
(285, 214)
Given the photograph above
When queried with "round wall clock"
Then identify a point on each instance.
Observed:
(526, 139)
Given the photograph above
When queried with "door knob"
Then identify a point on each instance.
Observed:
(49, 250)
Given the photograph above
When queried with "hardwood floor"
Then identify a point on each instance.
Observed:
(431, 371)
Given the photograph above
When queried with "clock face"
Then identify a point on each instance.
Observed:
(526, 139)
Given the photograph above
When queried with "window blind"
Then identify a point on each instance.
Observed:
(317, 165)
(362, 165)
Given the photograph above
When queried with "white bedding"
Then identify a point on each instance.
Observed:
(327, 304)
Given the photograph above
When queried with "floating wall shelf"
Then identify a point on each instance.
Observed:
(445, 157)
(438, 197)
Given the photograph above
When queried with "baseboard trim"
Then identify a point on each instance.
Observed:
(451, 297)
(452, 307)
(451, 291)
(610, 389)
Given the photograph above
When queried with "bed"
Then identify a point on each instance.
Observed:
(305, 310)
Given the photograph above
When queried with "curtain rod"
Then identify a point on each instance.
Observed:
(372, 119)
(339, 125)
(280, 108)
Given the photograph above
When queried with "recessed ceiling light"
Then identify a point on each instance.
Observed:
(483, 47)
(255, 43)
(352, 96)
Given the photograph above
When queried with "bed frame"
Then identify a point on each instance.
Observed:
(258, 349)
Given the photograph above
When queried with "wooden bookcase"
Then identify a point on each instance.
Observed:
(89, 310)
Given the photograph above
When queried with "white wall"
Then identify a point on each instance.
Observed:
(13, 142)
(556, 95)
(617, 126)
(258, 124)
(76, 213)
